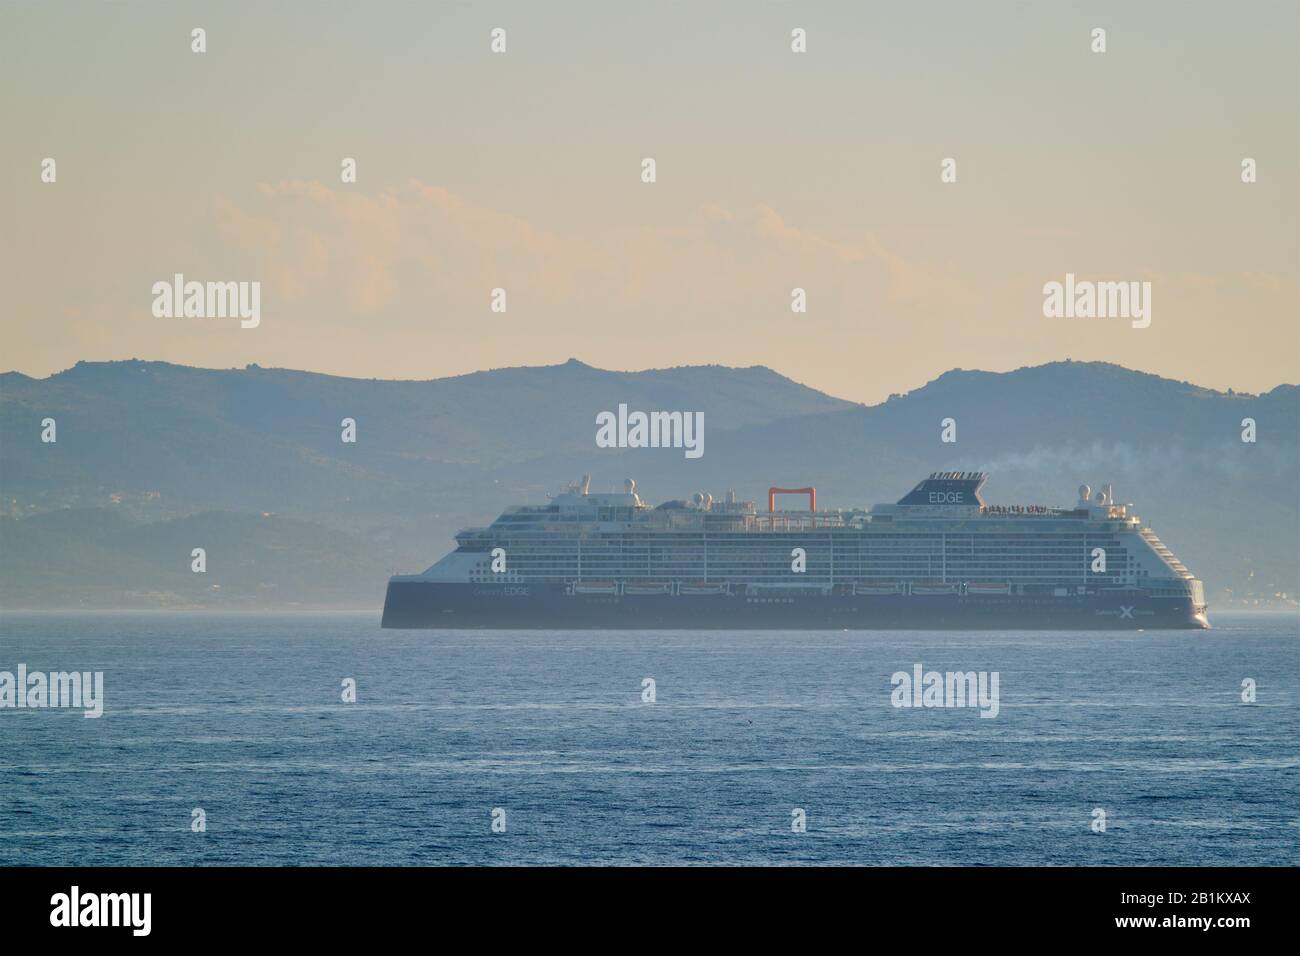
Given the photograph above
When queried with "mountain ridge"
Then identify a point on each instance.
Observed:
(576, 363)
(161, 442)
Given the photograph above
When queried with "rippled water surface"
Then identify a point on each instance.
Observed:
(241, 715)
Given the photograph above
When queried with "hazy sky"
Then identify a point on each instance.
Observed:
(775, 170)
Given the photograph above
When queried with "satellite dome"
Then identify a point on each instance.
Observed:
(1084, 492)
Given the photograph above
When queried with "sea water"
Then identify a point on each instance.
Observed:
(226, 739)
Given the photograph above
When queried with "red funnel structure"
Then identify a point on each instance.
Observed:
(773, 492)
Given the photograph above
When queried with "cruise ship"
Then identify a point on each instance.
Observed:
(938, 558)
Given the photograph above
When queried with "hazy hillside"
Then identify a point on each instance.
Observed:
(99, 557)
(149, 453)
(269, 439)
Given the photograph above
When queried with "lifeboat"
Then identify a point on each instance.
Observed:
(702, 587)
(877, 587)
(988, 587)
(647, 587)
(933, 587)
(789, 587)
(595, 587)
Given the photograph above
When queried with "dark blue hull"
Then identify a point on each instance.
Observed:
(424, 604)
